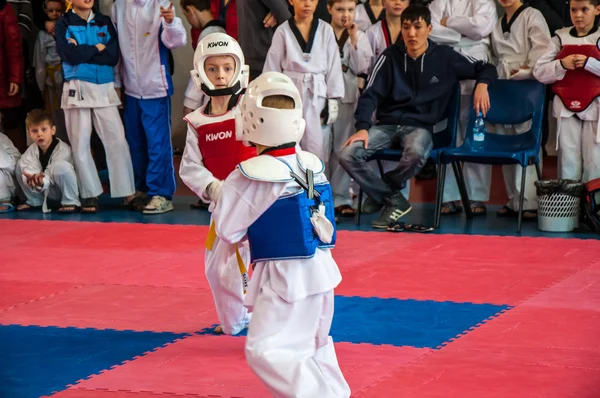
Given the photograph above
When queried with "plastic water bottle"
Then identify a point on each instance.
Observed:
(478, 133)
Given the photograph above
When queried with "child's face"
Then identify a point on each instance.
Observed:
(394, 8)
(219, 69)
(342, 13)
(82, 4)
(54, 10)
(583, 14)
(42, 134)
(510, 3)
(304, 8)
(190, 15)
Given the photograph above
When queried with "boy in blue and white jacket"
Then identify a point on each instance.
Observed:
(147, 30)
(87, 45)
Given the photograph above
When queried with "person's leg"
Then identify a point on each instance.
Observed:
(416, 144)
(136, 139)
(353, 160)
(64, 183)
(34, 197)
(160, 176)
(289, 348)
(79, 129)
(591, 152)
(7, 188)
(339, 179)
(313, 140)
(226, 284)
(570, 163)
(110, 130)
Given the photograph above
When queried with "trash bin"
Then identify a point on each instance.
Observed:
(558, 204)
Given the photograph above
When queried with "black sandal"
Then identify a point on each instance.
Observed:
(345, 211)
(90, 205)
(507, 212)
(67, 209)
(402, 227)
(453, 208)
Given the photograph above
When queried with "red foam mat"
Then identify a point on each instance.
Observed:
(150, 277)
(580, 291)
(14, 293)
(215, 366)
(525, 352)
(160, 309)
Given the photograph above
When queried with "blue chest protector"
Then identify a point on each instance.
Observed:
(284, 231)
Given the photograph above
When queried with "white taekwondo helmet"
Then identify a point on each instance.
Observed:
(218, 44)
(271, 127)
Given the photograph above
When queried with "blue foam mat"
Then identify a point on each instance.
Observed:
(414, 323)
(36, 361)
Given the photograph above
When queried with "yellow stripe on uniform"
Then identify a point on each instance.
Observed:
(210, 242)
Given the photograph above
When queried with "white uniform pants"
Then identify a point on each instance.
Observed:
(7, 184)
(110, 130)
(477, 176)
(63, 185)
(343, 128)
(289, 347)
(226, 284)
(313, 140)
(578, 151)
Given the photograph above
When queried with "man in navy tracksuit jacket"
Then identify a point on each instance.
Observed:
(410, 87)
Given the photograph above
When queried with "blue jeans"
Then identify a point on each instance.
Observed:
(415, 142)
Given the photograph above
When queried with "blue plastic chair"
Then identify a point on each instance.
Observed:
(443, 139)
(512, 102)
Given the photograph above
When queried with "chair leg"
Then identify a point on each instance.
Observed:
(464, 196)
(521, 199)
(359, 206)
(380, 166)
(439, 195)
(538, 171)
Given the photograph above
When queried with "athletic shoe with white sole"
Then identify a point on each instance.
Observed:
(395, 207)
(158, 205)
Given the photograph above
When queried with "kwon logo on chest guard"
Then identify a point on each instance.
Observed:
(218, 44)
(223, 135)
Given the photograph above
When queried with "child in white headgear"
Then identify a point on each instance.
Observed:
(211, 153)
(281, 202)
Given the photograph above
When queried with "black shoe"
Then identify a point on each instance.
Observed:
(395, 207)
(369, 206)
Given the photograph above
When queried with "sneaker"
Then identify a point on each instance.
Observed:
(395, 207)
(370, 206)
(158, 205)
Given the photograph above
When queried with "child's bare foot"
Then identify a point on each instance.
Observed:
(218, 330)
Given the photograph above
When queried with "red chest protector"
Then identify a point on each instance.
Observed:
(579, 88)
(221, 152)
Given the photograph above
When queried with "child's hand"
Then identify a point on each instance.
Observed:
(352, 29)
(270, 20)
(13, 89)
(39, 179)
(100, 47)
(186, 111)
(72, 41)
(29, 178)
(168, 14)
(570, 62)
(580, 61)
(49, 25)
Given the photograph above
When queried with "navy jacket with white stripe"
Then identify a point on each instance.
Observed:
(415, 92)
